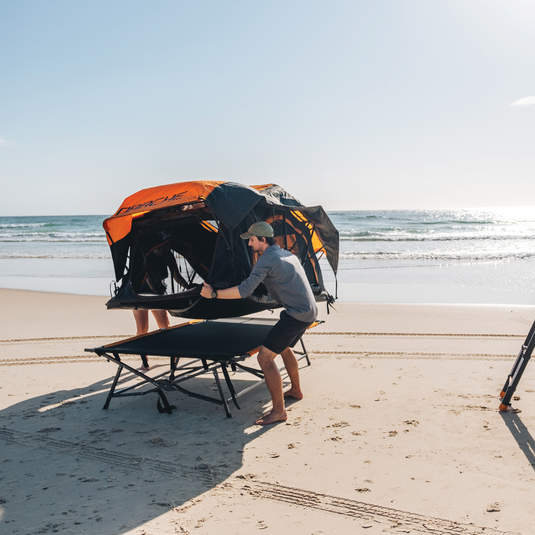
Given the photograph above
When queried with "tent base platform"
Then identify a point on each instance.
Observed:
(193, 349)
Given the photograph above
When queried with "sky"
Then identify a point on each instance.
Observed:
(351, 104)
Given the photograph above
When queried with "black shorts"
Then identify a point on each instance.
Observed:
(285, 333)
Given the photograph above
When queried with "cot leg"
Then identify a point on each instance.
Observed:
(305, 351)
(221, 393)
(166, 407)
(114, 384)
(230, 385)
(144, 361)
(172, 367)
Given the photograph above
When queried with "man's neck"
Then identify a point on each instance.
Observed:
(263, 248)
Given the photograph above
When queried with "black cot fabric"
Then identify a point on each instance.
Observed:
(211, 339)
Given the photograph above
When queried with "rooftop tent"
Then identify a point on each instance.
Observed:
(189, 232)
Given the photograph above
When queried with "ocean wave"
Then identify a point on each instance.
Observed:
(23, 225)
(413, 221)
(69, 237)
(412, 255)
(458, 222)
(402, 237)
(65, 256)
(459, 217)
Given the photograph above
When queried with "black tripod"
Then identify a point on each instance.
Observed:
(518, 369)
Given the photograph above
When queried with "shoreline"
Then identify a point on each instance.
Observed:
(364, 281)
(348, 292)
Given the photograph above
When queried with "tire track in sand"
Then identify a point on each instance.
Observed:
(70, 359)
(63, 339)
(208, 475)
(413, 355)
(202, 472)
(399, 519)
(309, 333)
(84, 359)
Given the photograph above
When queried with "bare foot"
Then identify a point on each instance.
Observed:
(272, 418)
(293, 394)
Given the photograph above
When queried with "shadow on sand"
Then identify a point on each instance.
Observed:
(520, 433)
(67, 466)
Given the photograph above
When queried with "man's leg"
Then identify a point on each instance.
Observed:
(142, 327)
(292, 367)
(142, 321)
(162, 319)
(266, 359)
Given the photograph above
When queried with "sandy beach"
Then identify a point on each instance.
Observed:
(399, 430)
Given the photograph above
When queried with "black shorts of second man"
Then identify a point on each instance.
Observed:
(285, 333)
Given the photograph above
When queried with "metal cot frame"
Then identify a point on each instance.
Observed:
(209, 346)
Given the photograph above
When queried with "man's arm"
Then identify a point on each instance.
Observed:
(258, 274)
(227, 293)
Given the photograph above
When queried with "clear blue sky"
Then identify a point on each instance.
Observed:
(352, 104)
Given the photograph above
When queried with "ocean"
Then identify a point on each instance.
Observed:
(483, 256)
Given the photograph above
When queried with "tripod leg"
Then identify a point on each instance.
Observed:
(518, 369)
(513, 371)
(526, 343)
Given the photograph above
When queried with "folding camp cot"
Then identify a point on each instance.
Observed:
(209, 346)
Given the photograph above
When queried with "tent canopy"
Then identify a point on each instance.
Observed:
(199, 223)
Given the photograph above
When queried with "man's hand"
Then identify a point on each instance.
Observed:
(206, 291)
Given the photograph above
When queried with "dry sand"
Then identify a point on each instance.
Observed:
(399, 431)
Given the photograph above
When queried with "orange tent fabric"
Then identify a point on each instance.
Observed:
(119, 224)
